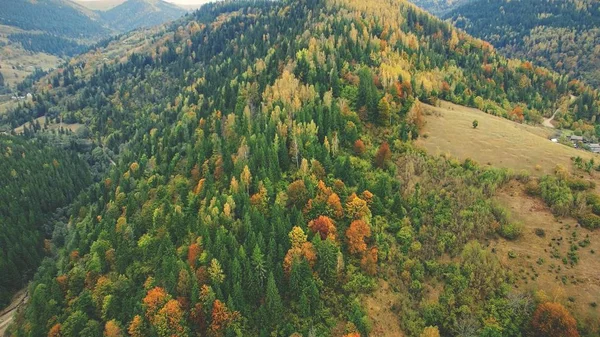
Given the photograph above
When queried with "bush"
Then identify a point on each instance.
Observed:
(593, 200)
(532, 188)
(589, 220)
(577, 184)
(511, 231)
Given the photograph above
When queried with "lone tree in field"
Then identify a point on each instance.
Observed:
(475, 124)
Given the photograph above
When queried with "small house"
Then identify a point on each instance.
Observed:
(595, 148)
(576, 138)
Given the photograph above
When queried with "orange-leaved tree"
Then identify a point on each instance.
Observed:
(356, 234)
(383, 155)
(552, 319)
(324, 226)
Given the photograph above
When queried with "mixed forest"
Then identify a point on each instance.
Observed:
(265, 179)
(559, 35)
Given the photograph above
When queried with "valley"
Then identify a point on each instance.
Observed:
(43, 35)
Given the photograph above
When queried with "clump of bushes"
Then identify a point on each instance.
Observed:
(506, 229)
(589, 220)
(511, 231)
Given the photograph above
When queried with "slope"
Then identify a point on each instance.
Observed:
(100, 5)
(134, 14)
(440, 8)
(561, 35)
(56, 17)
(266, 178)
(36, 180)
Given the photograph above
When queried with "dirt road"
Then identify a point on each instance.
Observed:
(548, 121)
(7, 314)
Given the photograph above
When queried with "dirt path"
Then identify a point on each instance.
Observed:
(7, 315)
(548, 121)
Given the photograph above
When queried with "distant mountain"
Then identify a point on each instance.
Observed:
(440, 7)
(100, 5)
(50, 30)
(134, 14)
(562, 35)
(57, 17)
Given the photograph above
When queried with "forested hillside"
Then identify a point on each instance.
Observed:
(440, 8)
(134, 14)
(56, 17)
(35, 180)
(266, 182)
(41, 34)
(560, 35)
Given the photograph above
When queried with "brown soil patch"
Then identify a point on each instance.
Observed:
(379, 309)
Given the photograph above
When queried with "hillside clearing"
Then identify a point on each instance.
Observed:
(538, 259)
(379, 306)
(17, 63)
(53, 126)
(496, 141)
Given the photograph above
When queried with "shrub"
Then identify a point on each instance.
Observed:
(577, 184)
(532, 187)
(511, 231)
(540, 232)
(589, 220)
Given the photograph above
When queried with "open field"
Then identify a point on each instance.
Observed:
(16, 63)
(537, 261)
(53, 126)
(496, 141)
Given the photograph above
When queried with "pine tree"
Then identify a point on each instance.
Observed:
(273, 302)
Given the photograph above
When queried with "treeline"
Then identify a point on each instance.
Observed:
(47, 43)
(266, 182)
(35, 181)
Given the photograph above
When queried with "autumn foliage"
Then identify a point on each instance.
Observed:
(136, 327)
(169, 320)
(359, 147)
(553, 320)
(300, 249)
(352, 334)
(369, 261)
(154, 300)
(221, 318)
(324, 226)
(112, 329)
(356, 234)
(193, 253)
(383, 155)
(55, 330)
(357, 208)
(297, 194)
(430, 331)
